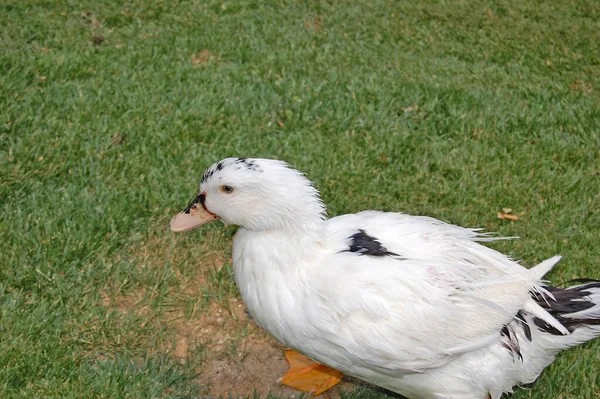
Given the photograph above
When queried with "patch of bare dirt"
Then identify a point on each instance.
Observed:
(202, 58)
(581, 86)
(315, 23)
(240, 357)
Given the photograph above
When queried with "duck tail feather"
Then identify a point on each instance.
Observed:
(538, 311)
(540, 270)
(576, 305)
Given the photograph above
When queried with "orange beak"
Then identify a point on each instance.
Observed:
(193, 216)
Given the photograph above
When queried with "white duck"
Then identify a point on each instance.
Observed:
(408, 303)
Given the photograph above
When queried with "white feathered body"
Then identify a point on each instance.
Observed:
(424, 323)
(408, 303)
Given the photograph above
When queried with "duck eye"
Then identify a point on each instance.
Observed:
(226, 189)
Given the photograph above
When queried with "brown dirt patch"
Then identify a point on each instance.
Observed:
(315, 23)
(203, 58)
(240, 358)
(581, 86)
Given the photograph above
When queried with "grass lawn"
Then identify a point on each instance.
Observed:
(110, 111)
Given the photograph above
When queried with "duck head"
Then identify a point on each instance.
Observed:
(257, 194)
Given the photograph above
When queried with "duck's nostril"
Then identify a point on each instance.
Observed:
(200, 199)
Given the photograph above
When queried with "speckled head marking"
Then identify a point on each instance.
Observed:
(364, 244)
(250, 164)
(238, 164)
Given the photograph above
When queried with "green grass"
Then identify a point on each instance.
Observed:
(450, 109)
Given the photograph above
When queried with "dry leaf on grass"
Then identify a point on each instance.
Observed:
(116, 139)
(507, 216)
(412, 108)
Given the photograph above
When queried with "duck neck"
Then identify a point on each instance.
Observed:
(284, 249)
(272, 266)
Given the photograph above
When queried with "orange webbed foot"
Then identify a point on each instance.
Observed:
(308, 376)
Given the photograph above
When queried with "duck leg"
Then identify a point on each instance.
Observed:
(308, 376)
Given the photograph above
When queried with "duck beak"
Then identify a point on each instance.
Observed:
(193, 216)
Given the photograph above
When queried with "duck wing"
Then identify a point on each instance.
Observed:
(399, 292)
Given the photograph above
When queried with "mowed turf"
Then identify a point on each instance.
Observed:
(110, 111)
